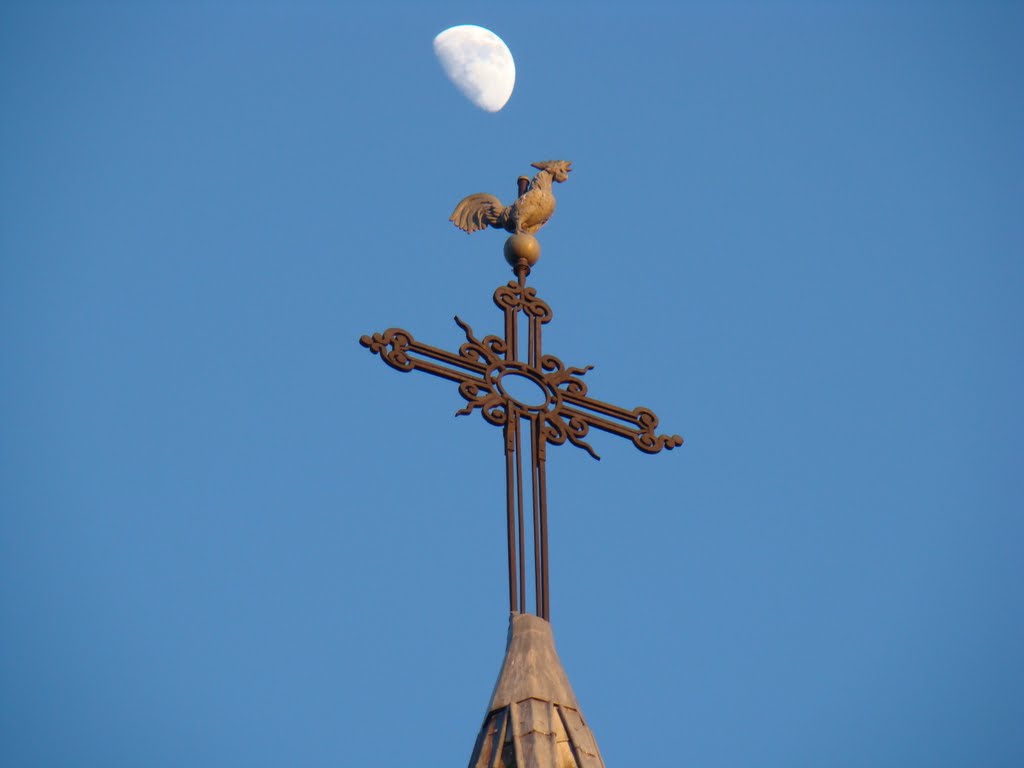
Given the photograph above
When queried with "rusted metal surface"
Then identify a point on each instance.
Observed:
(492, 378)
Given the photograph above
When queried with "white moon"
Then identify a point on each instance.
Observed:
(479, 63)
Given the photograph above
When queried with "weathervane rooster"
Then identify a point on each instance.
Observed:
(526, 215)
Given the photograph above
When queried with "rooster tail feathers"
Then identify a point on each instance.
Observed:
(479, 211)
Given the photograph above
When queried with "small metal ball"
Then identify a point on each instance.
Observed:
(522, 247)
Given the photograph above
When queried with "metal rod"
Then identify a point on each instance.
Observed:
(511, 335)
(512, 448)
(538, 573)
(510, 427)
(538, 580)
(543, 493)
(521, 270)
(540, 516)
(514, 414)
(447, 357)
(535, 333)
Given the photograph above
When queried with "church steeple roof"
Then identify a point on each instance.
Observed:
(533, 720)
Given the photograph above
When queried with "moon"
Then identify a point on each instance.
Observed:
(478, 63)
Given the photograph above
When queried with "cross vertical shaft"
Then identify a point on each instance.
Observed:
(513, 305)
(490, 373)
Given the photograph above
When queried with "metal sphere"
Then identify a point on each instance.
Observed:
(522, 247)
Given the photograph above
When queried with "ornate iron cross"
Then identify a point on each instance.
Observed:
(508, 391)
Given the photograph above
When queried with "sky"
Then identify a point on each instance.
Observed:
(232, 537)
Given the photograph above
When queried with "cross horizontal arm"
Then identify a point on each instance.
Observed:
(397, 347)
(536, 397)
(642, 423)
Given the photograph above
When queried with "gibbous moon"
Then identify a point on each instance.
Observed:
(479, 63)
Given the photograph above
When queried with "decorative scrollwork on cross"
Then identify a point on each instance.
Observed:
(492, 380)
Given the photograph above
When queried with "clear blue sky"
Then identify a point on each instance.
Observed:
(232, 537)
